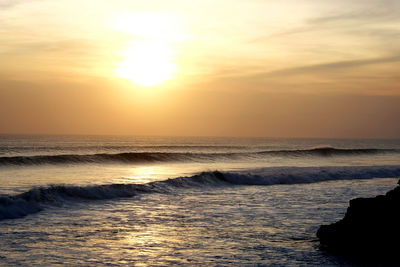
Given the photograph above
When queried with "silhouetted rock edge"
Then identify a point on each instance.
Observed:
(370, 230)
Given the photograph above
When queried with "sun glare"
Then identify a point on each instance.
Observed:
(148, 60)
(146, 63)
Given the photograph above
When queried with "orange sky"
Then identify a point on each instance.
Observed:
(201, 68)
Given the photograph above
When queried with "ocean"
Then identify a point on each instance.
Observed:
(123, 201)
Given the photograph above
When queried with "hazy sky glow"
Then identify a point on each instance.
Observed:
(228, 68)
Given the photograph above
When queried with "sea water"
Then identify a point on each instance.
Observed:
(106, 200)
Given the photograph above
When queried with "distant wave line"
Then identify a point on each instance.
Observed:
(143, 157)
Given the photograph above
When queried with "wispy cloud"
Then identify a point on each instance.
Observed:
(76, 47)
(6, 4)
(379, 11)
(370, 76)
(338, 65)
(377, 14)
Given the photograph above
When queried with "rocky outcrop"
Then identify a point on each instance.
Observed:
(370, 230)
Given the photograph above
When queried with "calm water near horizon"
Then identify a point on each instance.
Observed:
(109, 200)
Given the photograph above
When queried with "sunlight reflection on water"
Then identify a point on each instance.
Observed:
(225, 225)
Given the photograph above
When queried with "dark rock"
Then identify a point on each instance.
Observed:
(370, 230)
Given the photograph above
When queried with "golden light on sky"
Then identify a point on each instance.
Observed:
(229, 67)
(148, 59)
(148, 25)
(146, 63)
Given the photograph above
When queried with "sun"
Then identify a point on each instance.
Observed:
(146, 63)
(148, 60)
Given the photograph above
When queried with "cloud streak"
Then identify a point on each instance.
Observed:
(338, 65)
(379, 15)
(7, 4)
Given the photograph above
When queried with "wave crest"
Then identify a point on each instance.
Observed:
(36, 199)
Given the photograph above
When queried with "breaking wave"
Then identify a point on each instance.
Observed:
(143, 157)
(36, 199)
